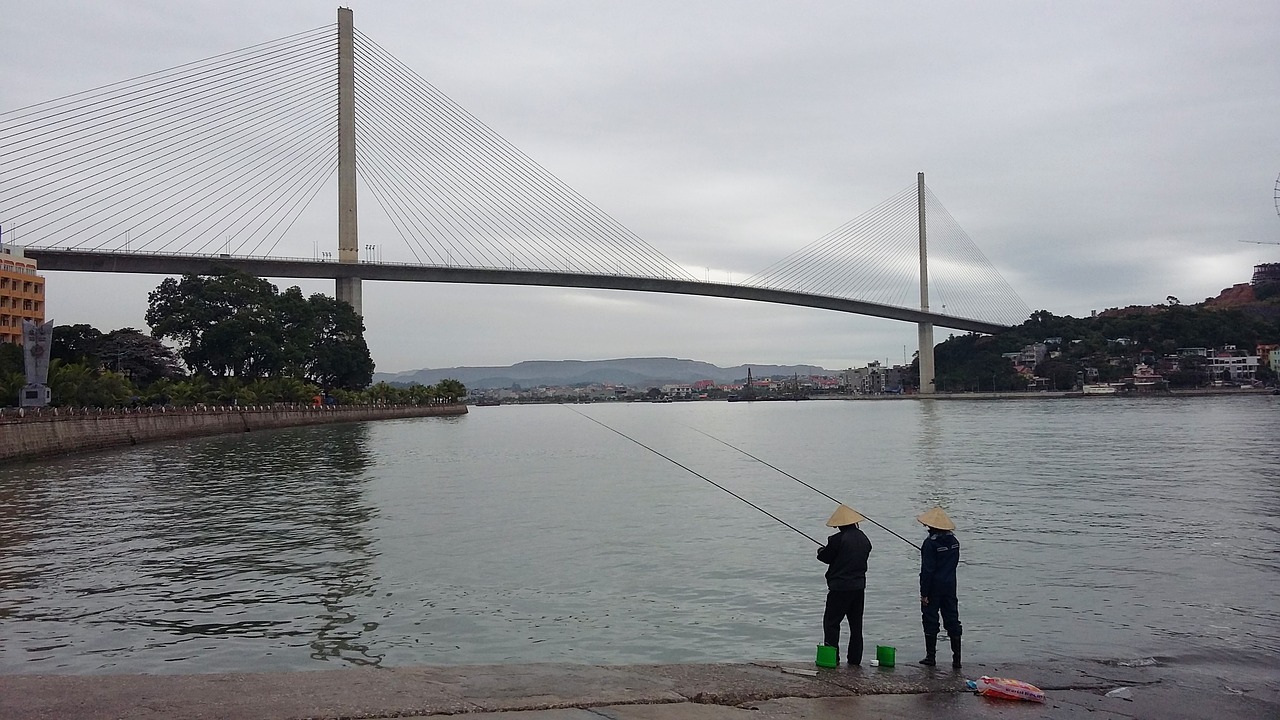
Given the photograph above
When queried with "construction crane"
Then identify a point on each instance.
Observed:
(1277, 201)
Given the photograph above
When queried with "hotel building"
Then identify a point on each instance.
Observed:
(21, 294)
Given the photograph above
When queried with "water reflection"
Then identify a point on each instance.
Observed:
(935, 490)
(21, 503)
(219, 538)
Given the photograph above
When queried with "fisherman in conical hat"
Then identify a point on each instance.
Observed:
(939, 555)
(846, 553)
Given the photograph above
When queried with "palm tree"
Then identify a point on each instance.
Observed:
(450, 390)
(10, 385)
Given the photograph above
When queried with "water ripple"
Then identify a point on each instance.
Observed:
(1133, 528)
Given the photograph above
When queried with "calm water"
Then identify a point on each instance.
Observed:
(1107, 528)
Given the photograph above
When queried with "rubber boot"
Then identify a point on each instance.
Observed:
(930, 650)
(955, 651)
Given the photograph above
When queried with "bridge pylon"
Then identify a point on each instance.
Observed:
(347, 288)
(925, 329)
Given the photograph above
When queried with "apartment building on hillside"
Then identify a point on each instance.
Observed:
(21, 294)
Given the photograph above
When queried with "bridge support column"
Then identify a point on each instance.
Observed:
(347, 288)
(925, 338)
(348, 291)
(925, 333)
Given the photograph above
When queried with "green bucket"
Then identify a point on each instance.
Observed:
(828, 656)
(885, 655)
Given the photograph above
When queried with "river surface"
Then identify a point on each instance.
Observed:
(1094, 527)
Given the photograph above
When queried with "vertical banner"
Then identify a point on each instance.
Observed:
(37, 340)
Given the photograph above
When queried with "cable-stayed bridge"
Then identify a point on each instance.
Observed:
(211, 164)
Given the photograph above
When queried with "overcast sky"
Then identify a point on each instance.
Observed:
(1100, 154)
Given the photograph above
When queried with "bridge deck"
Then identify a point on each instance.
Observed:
(174, 264)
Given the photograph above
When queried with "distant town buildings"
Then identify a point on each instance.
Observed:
(875, 379)
(21, 293)
(1125, 365)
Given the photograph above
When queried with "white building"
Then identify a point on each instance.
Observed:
(678, 391)
(1232, 368)
(1033, 355)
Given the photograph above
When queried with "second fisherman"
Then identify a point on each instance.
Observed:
(846, 553)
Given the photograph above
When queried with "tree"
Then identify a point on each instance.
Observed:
(339, 357)
(383, 393)
(1191, 372)
(13, 374)
(77, 385)
(139, 357)
(1061, 375)
(450, 390)
(964, 360)
(76, 344)
(11, 359)
(235, 325)
(420, 394)
(225, 324)
(192, 391)
(1265, 374)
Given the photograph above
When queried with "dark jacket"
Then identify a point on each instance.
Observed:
(846, 552)
(939, 555)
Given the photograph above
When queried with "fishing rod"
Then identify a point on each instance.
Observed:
(700, 475)
(793, 477)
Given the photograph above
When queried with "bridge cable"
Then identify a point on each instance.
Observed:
(137, 78)
(460, 220)
(266, 191)
(218, 169)
(451, 208)
(86, 164)
(549, 191)
(263, 167)
(883, 265)
(99, 129)
(126, 107)
(447, 224)
(472, 176)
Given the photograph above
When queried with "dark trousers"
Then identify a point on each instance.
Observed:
(842, 604)
(949, 607)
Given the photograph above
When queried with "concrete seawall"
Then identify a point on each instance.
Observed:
(34, 434)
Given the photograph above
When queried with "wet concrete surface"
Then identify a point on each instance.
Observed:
(762, 690)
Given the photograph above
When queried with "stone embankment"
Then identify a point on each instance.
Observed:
(30, 434)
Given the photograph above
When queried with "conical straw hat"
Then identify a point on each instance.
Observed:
(845, 515)
(936, 518)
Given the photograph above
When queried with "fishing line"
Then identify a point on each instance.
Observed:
(793, 477)
(700, 475)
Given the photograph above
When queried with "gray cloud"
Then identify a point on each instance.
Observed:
(1100, 154)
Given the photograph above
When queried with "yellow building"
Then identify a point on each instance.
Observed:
(21, 294)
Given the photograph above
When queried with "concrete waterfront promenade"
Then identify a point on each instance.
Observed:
(761, 690)
(48, 432)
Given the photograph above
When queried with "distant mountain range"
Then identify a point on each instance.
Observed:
(632, 372)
